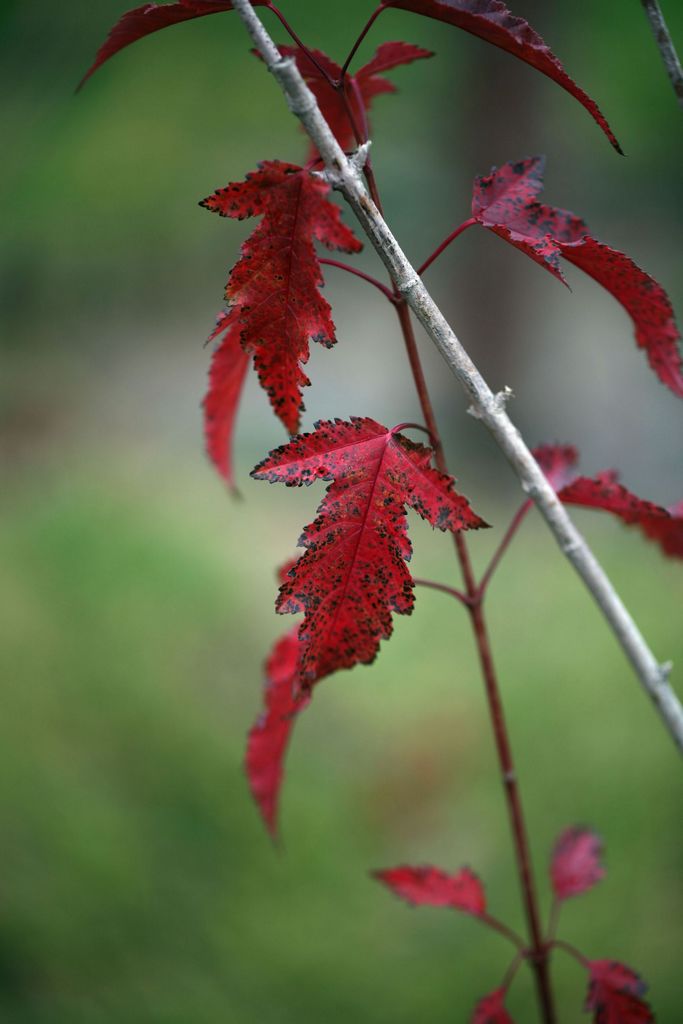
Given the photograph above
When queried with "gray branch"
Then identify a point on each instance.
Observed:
(666, 46)
(345, 175)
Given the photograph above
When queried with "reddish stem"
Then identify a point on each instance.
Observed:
(412, 426)
(446, 242)
(361, 136)
(572, 950)
(503, 546)
(451, 591)
(538, 953)
(511, 971)
(371, 20)
(360, 273)
(503, 929)
(302, 46)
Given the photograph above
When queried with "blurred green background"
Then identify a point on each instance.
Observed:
(137, 883)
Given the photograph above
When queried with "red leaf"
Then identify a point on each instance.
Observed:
(644, 300)
(274, 289)
(505, 202)
(576, 866)
(606, 493)
(614, 993)
(269, 736)
(148, 18)
(228, 370)
(557, 462)
(491, 1009)
(360, 89)
(492, 21)
(353, 575)
(430, 887)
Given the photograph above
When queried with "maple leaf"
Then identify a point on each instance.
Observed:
(505, 201)
(430, 887)
(274, 289)
(353, 574)
(143, 21)
(227, 374)
(492, 21)
(269, 736)
(360, 89)
(575, 865)
(491, 1009)
(664, 526)
(614, 994)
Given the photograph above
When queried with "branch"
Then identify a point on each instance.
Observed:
(666, 46)
(345, 175)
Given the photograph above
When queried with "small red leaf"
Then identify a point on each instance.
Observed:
(152, 17)
(614, 994)
(492, 21)
(505, 202)
(392, 55)
(229, 366)
(274, 289)
(359, 89)
(269, 736)
(430, 887)
(353, 575)
(575, 865)
(491, 1009)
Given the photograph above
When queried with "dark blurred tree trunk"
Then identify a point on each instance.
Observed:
(500, 120)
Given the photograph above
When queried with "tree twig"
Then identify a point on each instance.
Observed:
(665, 45)
(345, 175)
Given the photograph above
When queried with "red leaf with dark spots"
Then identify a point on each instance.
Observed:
(286, 567)
(149, 18)
(604, 492)
(359, 89)
(228, 371)
(429, 887)
(353, 575)
(505, 202)
(491, 1009)
(575, 866)
(614, 994)
(269, 737)
(274, 289)
(492, 21)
